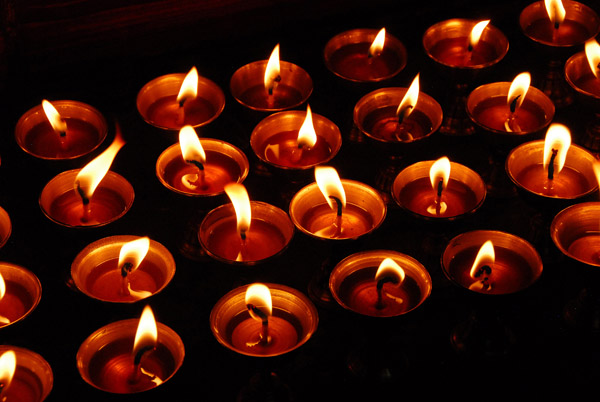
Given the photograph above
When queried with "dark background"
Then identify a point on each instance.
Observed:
(102, 53)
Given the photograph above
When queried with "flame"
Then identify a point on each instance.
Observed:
(273, 70)
(2, 287)
(56, 121)
(189, 86)
(241, 204)
(558, 138)
(592, 52)
(485, 256)
(476, 32)
(377, 46)
(8, 365)
(147, 333)
(440, 169)
(556, 11)
(596, 167)
(410, 99)
(92, 174)
(518, 90)
(259, 296)
(134, 252)
(307, 137)
(191, 149)
(330, 185)
(389, 268)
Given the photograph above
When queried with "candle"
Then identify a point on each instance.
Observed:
(220, 164)
(171, 101)
(295, 140)
(32, 377)
(380, 283)
(576, 232)
(417, 189)
(99, 269)
(82, 129)
(130, 356)
(20, 293)
(336, 209)
(5, 227)
(507, 264)
(582, 72)
(365, 55)
(241, 322)
(244, 232)
(271, 85)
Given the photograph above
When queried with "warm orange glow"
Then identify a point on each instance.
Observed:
(134, 252)
(2, 287)
(241, 204)
(92, 174)
(440, 170)
(330, 185)
(56, 121)
(592, 52)
(485, 257)
(409, 100)
(189, 86)
(147, 332)
(558, 139)
(273, 70)
(476, 33)
(390, 269)
(259, 296)
(518, 90)
(191, 148)
(8, 365)
(307, 137)
(556, 11)
(596, 167)
(377, 46)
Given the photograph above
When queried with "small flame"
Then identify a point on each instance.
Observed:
(558, 139)
(55, 119)
(592, 52)
(133, 253)
(241, 204)
(147, 333)
(518, 90)
(390, 269)
(2, 287)
(8, 365)
(476, 32)
(330, 185)
(92, 174)
(307, 137)
(259, 296)
(409, 100)
(273, 70)
(596, 167)
(191, 149)
(189, 86)
(377, 46)
(440, 170)
(485, 257)
(556, 11)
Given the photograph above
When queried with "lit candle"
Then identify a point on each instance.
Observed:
(24, 375)
(123, 269)
(271, 85)
(380, 283)
(365, 55)
(5, 227)
(582, 76)
(263, 319)
(576, 232)
(244, 232)
(20, 293)
(130, 356)
(62, 129)
(175, 100)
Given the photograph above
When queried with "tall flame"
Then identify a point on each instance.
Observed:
(191, 148)
(409, 100)
(146, 334)
(556, 11)
(390, 269)
(59, 125)
(518, 90)
(558, 139)
(273, 70)
(189, 86)
(259, 296)
(596, 167)
(476, 32)
(92, 174)
(440, 170)
(134, 252)
(307, 137)
(241, 204)
(8, 365)
(2, 287)
(377, 46)
(592, 52)
(485, 257)
(330, 185)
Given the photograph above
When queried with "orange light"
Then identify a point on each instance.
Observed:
(241, 204)
(133, 253)
(2, 287)
(440, 170)
(329, 183)
(377, 46)
(485, 257)
(592, 52)
(558, 140)
(307, 137)
(518, 90)
(390, 269)
(476, 32)
(189, 86)
(556, 11)
(273, 71)
(191, 148)
(409, 100)
(259, 296)
(8, 365)
(146, 334)
(59, 125)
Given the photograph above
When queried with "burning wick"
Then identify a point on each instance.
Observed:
(8, 365)
(515, 97)
(481, 270)
(439, 174)
(511, 121)
(241, 204)
(474, 37)
(338, 217)
(258, 293)
(85, 217)
(272, 75)
(551, 164)
(131, 256)
(3, 320)
(193, 154)
(144, 343)
(405, 108)
(556, 146)
(377, 46)
(264, 331)
(388, 272)
(59, 125)
(188, 90)
(137, 363)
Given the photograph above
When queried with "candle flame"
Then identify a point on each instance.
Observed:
(56, 121)
(558, 139)
(330, 185)
(596, 167)
(191, 148)
(146, 334)
(390, 269)
(518, 90)
(241, 204)
(189, 86)
(485, 257)
(556, 11)
(8, 365)
(377, 46)
(440, 170)
(2, 287)
(476, 32)
(259, 296)
(273, 70)
(133, 253)
(90, 176)
(409, 100)
(592, 52)
(307, 137)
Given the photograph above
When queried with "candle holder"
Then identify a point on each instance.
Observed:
(86, 130)
(446, 43)
(5, 227)
(96, 273)
(157, 103)
(23, 293)
(581, 23)
(33, 378)
(61, 203)
(347, 56)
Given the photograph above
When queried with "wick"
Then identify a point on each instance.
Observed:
(379, 304)
(403, 113)
(137, 363)
(125, 271)
(182, 102)
(264, 332)
(513, 104)
(201, 181)
(3, 386)
(85, 217)
(487, 270)
(180, 118)
(551, 164)
(338, 219)
(438, 200)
